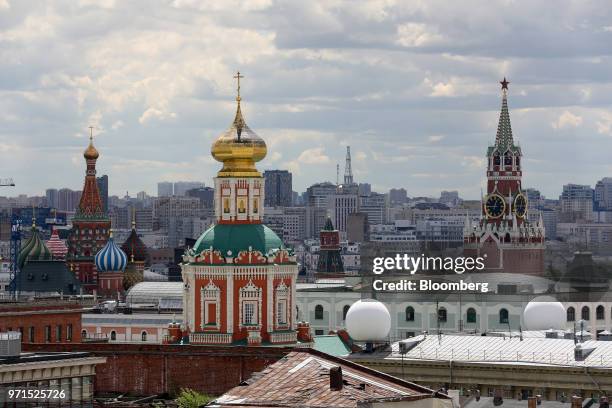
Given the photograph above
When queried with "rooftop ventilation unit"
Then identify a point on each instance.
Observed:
(10, 344)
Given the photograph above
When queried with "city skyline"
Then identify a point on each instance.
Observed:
(414, 92)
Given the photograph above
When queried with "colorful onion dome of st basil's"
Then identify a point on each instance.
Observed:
(110, 264)
(33, 249)
(135, 248)
(503, 236)
(90, 225)
(57, 246)
(239, 277)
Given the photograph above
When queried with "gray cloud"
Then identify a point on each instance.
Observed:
(410, 85)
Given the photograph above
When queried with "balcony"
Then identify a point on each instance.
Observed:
(210, 338)
(254, 337)
(283, 337)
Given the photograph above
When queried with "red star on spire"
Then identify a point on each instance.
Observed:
(504, 84)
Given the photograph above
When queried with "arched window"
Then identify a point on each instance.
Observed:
(496, 159)
(600, 313)
(113, 335)
(503, 316)
(442, 314)
(318, 312)
(345, 310)
(471, 315)
(83, 334)
(586, 313)
(571, 314)
(410, 314)
(143, 336)
(508, 159)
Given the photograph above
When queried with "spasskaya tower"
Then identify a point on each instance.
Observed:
(503, 235)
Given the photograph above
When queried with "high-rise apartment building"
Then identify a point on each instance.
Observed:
(603, 194)
(181, 187)
(103, 189)
(397, 196)
(279, 188)
(576, 202)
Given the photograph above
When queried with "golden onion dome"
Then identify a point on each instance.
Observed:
(239, 148)
(91, 153)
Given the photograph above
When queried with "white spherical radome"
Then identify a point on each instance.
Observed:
(368, 320)
(544, 313)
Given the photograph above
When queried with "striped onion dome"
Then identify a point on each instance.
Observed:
(33, 249)
(57, 246)
(111, 258)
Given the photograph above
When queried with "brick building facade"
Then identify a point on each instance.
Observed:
(44, 321)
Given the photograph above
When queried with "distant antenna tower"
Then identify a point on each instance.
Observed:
(337, 175)
(348, 172)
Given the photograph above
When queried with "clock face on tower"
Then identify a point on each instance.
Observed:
(520, 205)
(495, 206)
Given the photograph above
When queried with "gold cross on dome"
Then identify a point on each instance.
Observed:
(91, 132)
(237, 77)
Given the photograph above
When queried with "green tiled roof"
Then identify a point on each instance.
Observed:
(331, 344)
(238, 237)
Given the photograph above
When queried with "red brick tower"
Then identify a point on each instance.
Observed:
(504, 236)
(90, 225)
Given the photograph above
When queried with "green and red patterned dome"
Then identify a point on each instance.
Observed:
(33, 249)
(238, 237)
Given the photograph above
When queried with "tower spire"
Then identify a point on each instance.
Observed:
(238, 120)
(504, 138)
(348, 172)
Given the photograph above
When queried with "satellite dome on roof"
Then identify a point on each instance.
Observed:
(111, 258)
(368, 320)
(543, 313)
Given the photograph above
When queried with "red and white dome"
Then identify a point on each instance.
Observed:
(57, 246)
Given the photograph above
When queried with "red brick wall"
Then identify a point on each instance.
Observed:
(154, 369)
(21, 318)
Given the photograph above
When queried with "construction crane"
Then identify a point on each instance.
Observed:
(15, 241)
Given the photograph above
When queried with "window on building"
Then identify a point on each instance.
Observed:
(319, 332)
(143, 336)
(31, 334)
(48, 334)
(471, 315)
(503, 316)
(113, 335)
(318, 312)
(69, 332)
(442, 316)
(58, 333)
(345, 310)
(571, 314)
(410, 314)
(586, 313)
(83, 334)
(248, 312)
(281, 312)
(600, 313)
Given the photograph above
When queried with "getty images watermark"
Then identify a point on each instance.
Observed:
(410, 264)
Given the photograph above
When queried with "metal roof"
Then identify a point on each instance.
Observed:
(153, 292)
(529, 350)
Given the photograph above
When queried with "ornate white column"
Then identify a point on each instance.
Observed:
(229, 298)
(270, 275)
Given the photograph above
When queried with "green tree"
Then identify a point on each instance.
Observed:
(189, 398)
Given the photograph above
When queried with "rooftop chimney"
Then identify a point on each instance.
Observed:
(576, 401)
(335, 379)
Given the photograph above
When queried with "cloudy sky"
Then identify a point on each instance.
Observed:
(411, 86)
